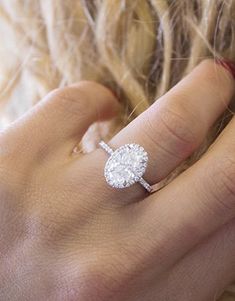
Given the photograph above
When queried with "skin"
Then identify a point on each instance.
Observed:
(67, 235)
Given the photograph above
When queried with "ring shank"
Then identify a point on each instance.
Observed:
(106, 147)
(146, 185)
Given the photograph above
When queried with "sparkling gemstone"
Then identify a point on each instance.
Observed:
(126, 165)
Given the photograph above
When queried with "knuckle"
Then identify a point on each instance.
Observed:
(108, 271)
(178, 126)
(98, 279)
(73, 100)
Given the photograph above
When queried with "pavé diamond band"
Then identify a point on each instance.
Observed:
(126, 165)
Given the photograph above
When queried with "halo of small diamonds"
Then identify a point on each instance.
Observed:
(126, 165)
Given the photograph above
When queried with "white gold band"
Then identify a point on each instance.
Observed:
(126, 165)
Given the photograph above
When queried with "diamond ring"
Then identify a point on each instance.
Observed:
(126, 165)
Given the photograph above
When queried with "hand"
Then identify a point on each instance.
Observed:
(67, 235)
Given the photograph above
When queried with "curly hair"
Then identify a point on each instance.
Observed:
(139, 49)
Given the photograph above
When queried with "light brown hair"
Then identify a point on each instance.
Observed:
(139, 49)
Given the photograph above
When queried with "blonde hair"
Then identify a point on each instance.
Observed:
(139, 49)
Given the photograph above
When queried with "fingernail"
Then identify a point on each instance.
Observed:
(227, 64)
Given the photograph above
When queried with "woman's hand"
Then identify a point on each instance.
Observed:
(67, 235)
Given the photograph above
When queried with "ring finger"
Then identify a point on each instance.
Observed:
(175, 125)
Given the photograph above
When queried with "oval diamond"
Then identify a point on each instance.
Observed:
(126, 165)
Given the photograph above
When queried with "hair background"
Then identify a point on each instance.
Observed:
(138, 48)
